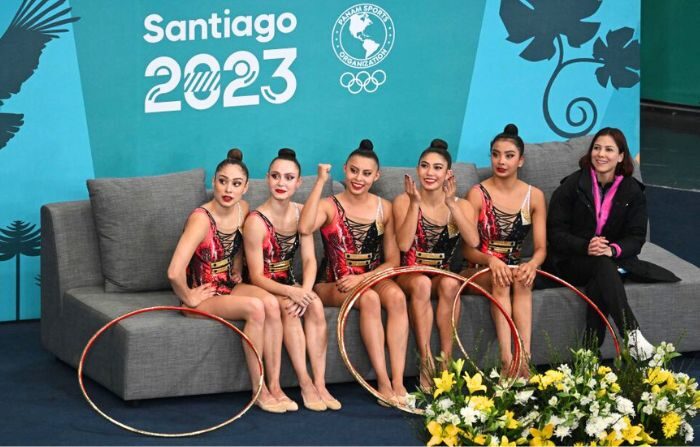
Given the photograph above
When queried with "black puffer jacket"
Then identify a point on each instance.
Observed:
(571, 224)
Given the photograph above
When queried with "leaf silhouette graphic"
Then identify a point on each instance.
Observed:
(620, 58)
(542, 21)
(19, 238)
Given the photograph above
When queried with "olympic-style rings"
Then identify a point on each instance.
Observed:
(518, 355)
(92, 340)
(363, 80)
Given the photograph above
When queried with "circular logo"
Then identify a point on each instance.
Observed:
(363, 35)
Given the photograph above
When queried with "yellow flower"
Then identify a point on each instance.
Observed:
(550, 377)
(657, 376)
(696, 399)
(541, 437)
(614, 388)
(647, 439)
(671, 421)
(479, 440)
(509, 420)
(481, 403)
(443, 384)
(612, 439)
(631, 433)
(601, 393)
(656, 389)
(458, 365)
(671, 384)
(504, 441)
(474, 383)
(603, 370)
(448, 434)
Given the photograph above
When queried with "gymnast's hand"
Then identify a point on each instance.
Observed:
(500, 272)
(293, 309)
(324, 171)
(236, 277)
(411, 189)
(525, 273)
(198, 295)
(599, 246)
(450, 188)
(347, 283)
(300, 296)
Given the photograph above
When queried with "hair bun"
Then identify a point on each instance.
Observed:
(235, 154)
(439, 143)
(286, 152)
(366, 145)
(510, 129)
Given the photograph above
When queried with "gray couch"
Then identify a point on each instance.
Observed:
(107, 256)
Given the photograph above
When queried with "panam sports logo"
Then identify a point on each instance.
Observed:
(362, 37)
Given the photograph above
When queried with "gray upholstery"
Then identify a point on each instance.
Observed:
(166, 354)
(139, 221)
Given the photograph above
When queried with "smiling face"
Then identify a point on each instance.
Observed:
(432, 171)
(360, 173)
(605, 155)
(505, 158)
(229, 184)
(283, 179)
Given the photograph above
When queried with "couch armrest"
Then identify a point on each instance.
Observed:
(70, 258)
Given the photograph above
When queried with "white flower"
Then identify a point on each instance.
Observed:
(594, 426)
(562, 432)
(521, 397)
(646, 396)
(565, 369)
(595, 408)
(648, 409)
(610, 377)
(444, 418)
(445, 404)
(687, 430)
(454, 419)
(553, 401)
(620, 425)
(429, 412)
(591, 383)
(579, 380)
(556, 420)
(494, 374)
(585, 401)
(411, 401)
(469, 415)
(662, 404)
(624, 406)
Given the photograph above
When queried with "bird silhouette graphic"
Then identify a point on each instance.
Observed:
(33, 26)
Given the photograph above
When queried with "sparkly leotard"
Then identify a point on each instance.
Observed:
(351, 247)
(278, 252)
(212, 261)
(501, 234)
(433, 244)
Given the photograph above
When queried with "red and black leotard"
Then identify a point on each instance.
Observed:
(212, 261)
(433, 244)
(351, 248)
(278, 252)
(501, 234)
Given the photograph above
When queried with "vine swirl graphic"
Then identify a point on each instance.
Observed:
(543, 23)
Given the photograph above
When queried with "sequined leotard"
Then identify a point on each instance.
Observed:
(351, 247)
(501, 234)
(212, 261)
(433, 244)
(278, 252)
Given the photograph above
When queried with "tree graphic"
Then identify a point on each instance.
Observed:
(19, 238)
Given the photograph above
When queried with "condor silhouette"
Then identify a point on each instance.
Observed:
(32, 27)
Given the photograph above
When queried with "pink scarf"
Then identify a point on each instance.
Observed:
(602, 208)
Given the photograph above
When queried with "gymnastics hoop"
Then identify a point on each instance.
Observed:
(546, 275)
(377, 277)
(158, 434)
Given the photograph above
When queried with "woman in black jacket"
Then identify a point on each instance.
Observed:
(596, 226)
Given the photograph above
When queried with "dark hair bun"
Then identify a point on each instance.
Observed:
(439, 143)
(510, 129)
(366, 145)
(286, 152)
(235, 154)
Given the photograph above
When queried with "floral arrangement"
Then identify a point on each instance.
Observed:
(582, 403)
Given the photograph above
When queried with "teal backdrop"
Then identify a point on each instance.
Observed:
(145, 88)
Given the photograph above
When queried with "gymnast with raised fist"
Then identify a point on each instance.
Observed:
(271, 241)
(205, 273)
(430, 222)
(357, 229)
(508, 209)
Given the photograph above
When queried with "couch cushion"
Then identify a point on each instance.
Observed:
(390, 183)
(139, 221)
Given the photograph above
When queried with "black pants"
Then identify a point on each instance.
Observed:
(604, 286)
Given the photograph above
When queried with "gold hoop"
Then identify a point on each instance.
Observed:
(158, 434)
